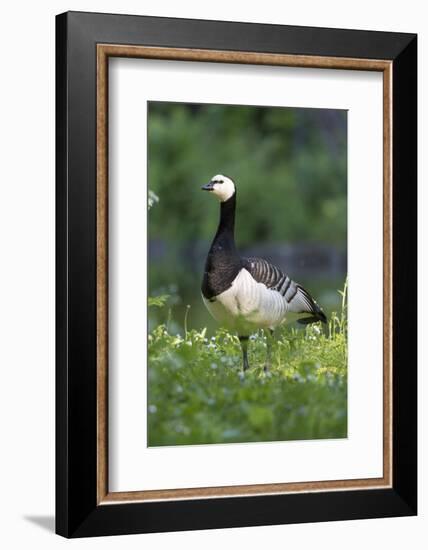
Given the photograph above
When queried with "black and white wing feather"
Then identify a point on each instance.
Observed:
(297, 298)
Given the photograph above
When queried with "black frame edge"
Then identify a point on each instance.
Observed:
(404, 173)
(76, 402)
(237, 36)
(61, 446)
(190, 515)
(77, 514)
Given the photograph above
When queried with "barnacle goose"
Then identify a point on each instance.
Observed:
(246, 294)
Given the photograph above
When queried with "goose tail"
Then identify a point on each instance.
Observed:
(317, 314)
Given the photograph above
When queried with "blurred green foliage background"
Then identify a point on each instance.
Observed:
(290, 168)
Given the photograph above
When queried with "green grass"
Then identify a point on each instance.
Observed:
(198, 393)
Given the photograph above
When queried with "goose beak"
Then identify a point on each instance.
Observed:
(208, 186)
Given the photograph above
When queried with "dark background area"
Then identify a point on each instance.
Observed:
(290, 168)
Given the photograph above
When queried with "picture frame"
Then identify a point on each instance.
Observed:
(84, 44)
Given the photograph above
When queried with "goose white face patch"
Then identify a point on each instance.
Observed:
(223, 187)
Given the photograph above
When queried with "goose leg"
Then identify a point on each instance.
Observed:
(269, 338)
(244, 346)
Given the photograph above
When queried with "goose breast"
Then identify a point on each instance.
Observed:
(247, 305)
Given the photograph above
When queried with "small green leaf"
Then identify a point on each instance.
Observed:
(158, 301)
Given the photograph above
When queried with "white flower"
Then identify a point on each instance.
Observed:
(152, 199)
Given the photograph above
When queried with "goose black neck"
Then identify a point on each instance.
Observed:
(223, 247)
(226, 225)
(223, 262)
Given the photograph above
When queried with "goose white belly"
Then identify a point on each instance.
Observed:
(248, 305)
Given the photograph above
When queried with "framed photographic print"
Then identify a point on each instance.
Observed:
(236, 274)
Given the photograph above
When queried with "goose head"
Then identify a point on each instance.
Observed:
(220, 186)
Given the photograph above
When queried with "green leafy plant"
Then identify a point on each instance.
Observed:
(198, 393)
